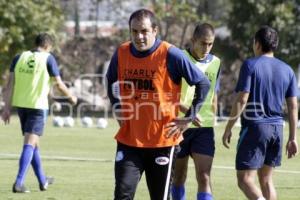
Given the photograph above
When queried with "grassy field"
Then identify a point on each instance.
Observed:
(81, 160)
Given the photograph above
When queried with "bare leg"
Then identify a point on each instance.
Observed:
(31, 139)
(266, 182)
(246, 182)
(180, 171)
(203, 164)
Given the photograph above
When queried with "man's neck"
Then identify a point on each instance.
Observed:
(267, 54)
(41, 49)
(193, 53)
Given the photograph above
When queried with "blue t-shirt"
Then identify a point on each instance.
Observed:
(52, 66)
(269, 81)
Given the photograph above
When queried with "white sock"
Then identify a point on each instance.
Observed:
(261, 198)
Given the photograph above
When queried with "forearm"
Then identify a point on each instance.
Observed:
(293, 117)
(215, 104)
(61, 87)
(201, 91)
(183, 108)
(214, 107)
(237, 108)
(113, 97)
(64, 90)
(118, 116)
(8, 91)
(292, 125)
(7, 97)
(117, 111)
(233, 117)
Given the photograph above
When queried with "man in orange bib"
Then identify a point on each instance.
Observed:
(144, 85)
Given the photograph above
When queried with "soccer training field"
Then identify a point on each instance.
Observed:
(81, 160)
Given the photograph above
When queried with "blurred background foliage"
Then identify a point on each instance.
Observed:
(20, 21)
(80, 51)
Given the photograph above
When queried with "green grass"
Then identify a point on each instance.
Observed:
(93, 179)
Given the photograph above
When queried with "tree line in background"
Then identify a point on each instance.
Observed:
(20, 21)
(236, 21)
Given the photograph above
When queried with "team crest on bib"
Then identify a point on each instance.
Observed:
(119, 156)
(162, 160)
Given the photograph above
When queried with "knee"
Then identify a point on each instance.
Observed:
(31, 139)
(265, 181)
(179, 178)
(242, 181)
(124, 190)
(203, 178)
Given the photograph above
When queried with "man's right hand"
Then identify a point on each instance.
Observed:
(6, 115)
(73, 100)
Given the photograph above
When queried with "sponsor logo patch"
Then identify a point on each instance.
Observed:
(162, 160)
(119, 156)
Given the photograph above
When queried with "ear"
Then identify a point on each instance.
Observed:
(257, 46)
(193, 40)
(48, 48)
(155, 30)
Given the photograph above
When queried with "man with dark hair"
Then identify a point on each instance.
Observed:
(263, 85)
(144, 83)
(31, 74)
(199, 141)
(43, 40)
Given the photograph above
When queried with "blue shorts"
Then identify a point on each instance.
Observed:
(32, 120)
(258, 145)
(197, 140)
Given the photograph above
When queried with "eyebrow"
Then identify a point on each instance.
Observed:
(142, 30)
(206, 42)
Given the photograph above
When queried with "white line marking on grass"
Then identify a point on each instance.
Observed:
(276, 170)
(287, 171)
(67, 158)
(223, 167)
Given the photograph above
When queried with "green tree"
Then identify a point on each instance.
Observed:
(173, 14)
(176, 17)
(283, 15)
(20, 21)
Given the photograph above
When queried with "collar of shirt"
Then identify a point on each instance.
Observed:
(207, 59)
